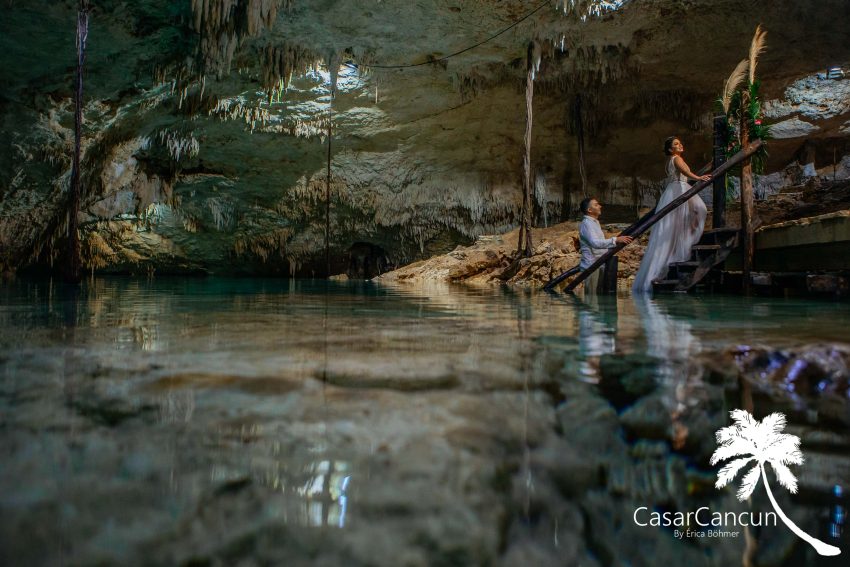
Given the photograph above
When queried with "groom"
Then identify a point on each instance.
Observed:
(593, 241)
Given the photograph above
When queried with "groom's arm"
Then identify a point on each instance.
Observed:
(595, 238)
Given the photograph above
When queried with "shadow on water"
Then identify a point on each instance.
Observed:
(219, 420)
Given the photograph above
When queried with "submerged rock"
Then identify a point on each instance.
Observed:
(805, 372)
(808, 378)
(625, 378)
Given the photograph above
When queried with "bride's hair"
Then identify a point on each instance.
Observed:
(668, 145)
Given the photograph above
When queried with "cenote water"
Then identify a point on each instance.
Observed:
(255, 422)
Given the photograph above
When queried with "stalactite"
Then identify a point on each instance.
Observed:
(470, 209)
(268, 245)
(418, 213)
(471, 83)
(179, 145)
(540, 196)
(96, 252)
(104, 244)
(294, 126)
(585, 9)
(223, 213)
(236, 109)
(56, 145)
(190, 223)
(572, 66)
(689, 107)
(280, 63)
(579, 65)
(223, 24)
(185, 84)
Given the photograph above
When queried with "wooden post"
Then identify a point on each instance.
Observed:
(747, 202)
(524, 246)
(609, 283)
(718, 215)
(73, 264)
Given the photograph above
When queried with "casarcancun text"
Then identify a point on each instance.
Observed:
(703, 517)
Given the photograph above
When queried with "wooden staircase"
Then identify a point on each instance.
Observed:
(713, 248)
(711, 251)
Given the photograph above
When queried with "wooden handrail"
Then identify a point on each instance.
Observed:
(651, 218)
(629, 231)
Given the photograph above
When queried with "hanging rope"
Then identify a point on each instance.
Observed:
(470, 48)
(579, 127)
(334, 67)
(524, 245)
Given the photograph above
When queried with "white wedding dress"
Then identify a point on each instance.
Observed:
(671, 237)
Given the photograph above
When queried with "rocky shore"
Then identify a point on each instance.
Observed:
(489, 259)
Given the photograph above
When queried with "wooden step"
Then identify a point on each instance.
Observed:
(667, 285)
(713, 248)
(722, 230)
(686, 264)
(678, 269)
(682, 276)
(727, 236)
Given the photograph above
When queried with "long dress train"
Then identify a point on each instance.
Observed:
(671, 237)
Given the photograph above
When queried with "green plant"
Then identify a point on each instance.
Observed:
(742, 106)
(748, 108)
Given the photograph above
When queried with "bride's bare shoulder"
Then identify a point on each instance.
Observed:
(679, 162)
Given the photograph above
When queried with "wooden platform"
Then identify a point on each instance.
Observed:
(811, 244)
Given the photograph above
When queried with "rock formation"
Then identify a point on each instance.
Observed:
(206, 121)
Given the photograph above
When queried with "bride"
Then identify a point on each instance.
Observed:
(672, 236)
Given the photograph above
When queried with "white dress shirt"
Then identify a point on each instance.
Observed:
(593, 241)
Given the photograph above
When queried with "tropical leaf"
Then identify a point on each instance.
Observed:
(731, 84)
(756, 48)
(733, 448)
(744, 419)
(749, 483)
(785, 449)
(773, 423)
(785, 477)
(728, 473)
(726, 435)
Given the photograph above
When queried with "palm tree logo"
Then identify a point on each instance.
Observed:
(762, 441)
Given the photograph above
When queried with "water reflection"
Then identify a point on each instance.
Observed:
(439, 424)
(597, 330)
(325, 493)
(838, 513)
(680, 372)
(176, 407)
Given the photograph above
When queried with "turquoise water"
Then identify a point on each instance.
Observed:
(213, 421)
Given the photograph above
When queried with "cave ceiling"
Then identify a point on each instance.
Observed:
(205, 140)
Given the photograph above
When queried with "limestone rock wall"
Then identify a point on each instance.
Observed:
(206, 123)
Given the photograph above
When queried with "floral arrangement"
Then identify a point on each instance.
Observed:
(743, 107)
